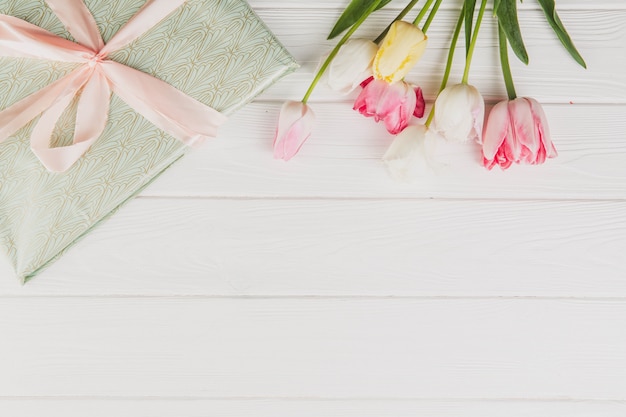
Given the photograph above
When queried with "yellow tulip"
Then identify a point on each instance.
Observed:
(403, 46)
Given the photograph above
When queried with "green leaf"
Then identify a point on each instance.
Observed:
(353, 12)
(507, 17)
(470, 7)
(549, 8)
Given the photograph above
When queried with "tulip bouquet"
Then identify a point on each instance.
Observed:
(516, 130)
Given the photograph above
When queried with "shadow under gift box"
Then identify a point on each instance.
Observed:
(216, 51)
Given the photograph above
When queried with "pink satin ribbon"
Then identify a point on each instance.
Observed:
(172, 111)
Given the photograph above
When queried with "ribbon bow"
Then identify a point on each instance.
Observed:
(172, 111)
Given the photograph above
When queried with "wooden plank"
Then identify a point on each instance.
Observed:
(156, 407)
(335, 248)
(320, 287)
(342, 163)
(313, 348)
(552, 76)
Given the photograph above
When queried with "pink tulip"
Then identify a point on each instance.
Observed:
(394, 104)
(517, 131)
(295, 125)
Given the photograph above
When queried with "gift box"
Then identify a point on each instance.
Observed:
(217, 52)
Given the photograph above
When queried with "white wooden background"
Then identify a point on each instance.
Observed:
(238, 285)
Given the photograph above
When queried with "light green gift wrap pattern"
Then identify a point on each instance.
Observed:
(216, 51)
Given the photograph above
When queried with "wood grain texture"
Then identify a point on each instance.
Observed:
(313, 348)
(333, 247)
(308, 408)
(238, 285)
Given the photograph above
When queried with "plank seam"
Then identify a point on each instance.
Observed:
(385, 199)
(619, 299)
(320, 399)
(522, 8)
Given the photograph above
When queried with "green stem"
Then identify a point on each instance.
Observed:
(335, 50)
(400, 16)
(506, 67)
(470, 52)
(431, 16)
(422, 12)
(431, 116)
(446, 74)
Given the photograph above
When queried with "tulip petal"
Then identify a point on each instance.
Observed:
(420, 105)
(366, 81)
(393, 104)
(459, 113)
(543, 129)
(400, 50)
(405, 157)
(367, 101)
(295, 125)
(524, 130)
(478, 112)
(351, 66)
(403, 102)
(496, 130)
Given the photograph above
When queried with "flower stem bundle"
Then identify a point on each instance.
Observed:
(516, 130)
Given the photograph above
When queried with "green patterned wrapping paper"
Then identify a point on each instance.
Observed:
(217, 51)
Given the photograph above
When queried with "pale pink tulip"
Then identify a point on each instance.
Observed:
(459, 113)
(394, 104)
(295, 125)
(517, 131)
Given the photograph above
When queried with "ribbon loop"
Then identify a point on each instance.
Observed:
(79, 22)
(62, 158)
(20, 39)
(21, 113)
(152, 12)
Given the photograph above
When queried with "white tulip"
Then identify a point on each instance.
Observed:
(351, 66)
(460, 113)
(408, 156)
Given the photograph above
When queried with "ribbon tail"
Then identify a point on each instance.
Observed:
(91, 118)
(152, 12)
(21, 113)
(79, 21)
(174, 112)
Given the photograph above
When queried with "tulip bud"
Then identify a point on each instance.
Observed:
(517, 131)
(351, 66)
(459, 113)
(295, 125)
(403, 46)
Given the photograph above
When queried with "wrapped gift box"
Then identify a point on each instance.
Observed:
(216, 51)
